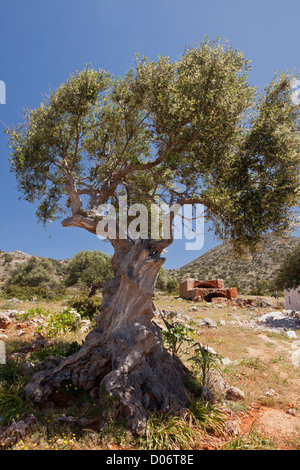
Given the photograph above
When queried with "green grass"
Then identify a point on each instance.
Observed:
(168, 432)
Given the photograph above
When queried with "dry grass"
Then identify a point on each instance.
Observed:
(260, 361)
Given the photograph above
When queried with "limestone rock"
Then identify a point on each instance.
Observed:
(208, 322)
(235, 394)
(16, 432)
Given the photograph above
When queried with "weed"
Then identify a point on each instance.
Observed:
(253, 363)
(10, 372)
(12, 402)
(116, 431)
(206, 416)
(63, 322)
(62, 350)
(203, 362)
(24, 316)
(176, 335)
(167, 432)
(87, 307)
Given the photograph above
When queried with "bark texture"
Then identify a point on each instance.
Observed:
(124, 352)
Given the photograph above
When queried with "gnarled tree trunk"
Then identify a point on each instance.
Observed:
(124, 353)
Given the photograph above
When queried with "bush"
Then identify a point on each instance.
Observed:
(26, 293)
(37, 277)
(90, 270)
(63, 322)
(166, 283)
(87, 307)
(173, 287)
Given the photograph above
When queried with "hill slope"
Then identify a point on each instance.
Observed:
(11, 260)
(219, 263)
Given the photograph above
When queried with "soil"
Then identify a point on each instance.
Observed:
(262, 361)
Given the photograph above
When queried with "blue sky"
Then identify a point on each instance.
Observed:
(43, 42)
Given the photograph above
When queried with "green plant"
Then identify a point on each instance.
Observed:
(166, 432)
(253, 363)
(192, 384)
(63, 322)
(87, 307)
(12, 402)
(115, 430)
(10, 372)
(89, 269)
(26, 292)
(203, 362)
(23, 316)
(206, 416)
(176, 335)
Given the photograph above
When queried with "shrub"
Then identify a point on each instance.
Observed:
(166, 283)
(89, 269)
(63, 322)
(37, 277)
(25, 292)
(87, 307)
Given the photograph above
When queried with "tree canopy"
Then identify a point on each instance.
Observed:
(188, 131)
(288, 276)
(89, 269)
(191, 130)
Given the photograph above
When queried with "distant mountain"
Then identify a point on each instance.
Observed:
(220, 263)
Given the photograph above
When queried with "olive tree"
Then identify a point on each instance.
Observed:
(189, 131)
(288, 275)
(90, 269)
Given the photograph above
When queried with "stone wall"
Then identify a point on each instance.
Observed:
(196, 290)
(292, 299)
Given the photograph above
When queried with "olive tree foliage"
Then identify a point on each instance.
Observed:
(288, 275)
(184, 131)
(89, 269)
(180, 132)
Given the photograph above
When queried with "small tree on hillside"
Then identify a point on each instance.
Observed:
(90, 269)
(176, 132)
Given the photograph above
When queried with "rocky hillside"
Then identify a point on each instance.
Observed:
(11, 260)
(219, 263)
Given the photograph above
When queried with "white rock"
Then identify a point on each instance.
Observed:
(291, 334)
(271, 393)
